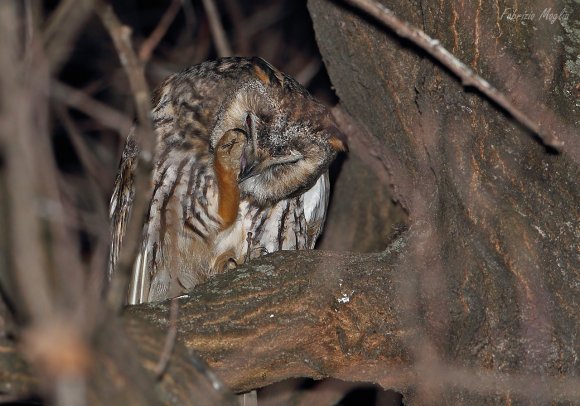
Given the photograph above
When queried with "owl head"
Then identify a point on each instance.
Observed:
(292, 138)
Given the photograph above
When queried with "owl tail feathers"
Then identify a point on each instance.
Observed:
(146, 287)
(139, 284)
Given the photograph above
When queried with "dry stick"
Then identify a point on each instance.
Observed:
(62, 29)
(98, 227)
(468, 77)
(266, 17)
(30, 22)
(159, 32)
(190, 20)
(308, 72)
(121, 36)
(144, 138)
(88, 160)
(217, 30)
(170, 338)
(94, 224)
(102, 113)
(241, 41)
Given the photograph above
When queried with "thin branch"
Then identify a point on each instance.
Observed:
(121, 36)
(29, 18)
(468, 77)
(266, 17)
(308, 72)
(62, 29)
(88, 160)
(144, 139)
(92, 166)
(241, 40)
(219, 35)
(102, 113)
(159, 32)
(190, 21)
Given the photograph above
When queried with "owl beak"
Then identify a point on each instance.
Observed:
(248, 165)
(247, 173)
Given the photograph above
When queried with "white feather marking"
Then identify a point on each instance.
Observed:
(138, 280)
(316, 200)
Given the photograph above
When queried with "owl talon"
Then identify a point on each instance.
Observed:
(231, 264)
(223, 263)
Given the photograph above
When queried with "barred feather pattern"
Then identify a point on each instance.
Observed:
(185, 241)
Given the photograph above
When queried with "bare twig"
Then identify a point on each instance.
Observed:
(79, 100)
(468, 77)
(219, 35)
(63, 26)
(144, 140)
(159, 32)
(170, 338)
(308, 72)
(266, 17)
(190, 21)
(121, 36)
(235, 12)
(31, 17)
(87, 158)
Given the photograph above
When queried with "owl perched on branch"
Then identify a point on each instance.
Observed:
(241, 169)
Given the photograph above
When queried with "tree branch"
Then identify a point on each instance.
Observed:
(217, 30)
(79, 100)
(152, 41)
(316, 314)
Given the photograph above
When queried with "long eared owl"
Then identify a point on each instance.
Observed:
(241, 169)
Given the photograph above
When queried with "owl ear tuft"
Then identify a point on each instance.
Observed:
(337, 140)
(266, 73)
(338, 145)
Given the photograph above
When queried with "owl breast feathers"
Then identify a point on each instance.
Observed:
(241, 169)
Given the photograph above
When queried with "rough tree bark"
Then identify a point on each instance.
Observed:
(477, 302)
(496, 283)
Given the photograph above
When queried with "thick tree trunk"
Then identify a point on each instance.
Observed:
(495, 285)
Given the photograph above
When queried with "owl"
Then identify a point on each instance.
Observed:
(241, 170)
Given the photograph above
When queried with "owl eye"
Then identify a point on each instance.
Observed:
(249, 121)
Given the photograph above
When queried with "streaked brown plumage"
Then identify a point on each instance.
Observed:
(241, 161)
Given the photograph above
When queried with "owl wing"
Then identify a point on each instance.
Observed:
(122, 200)
(119, 213)
(315, 206)
(179, 230)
